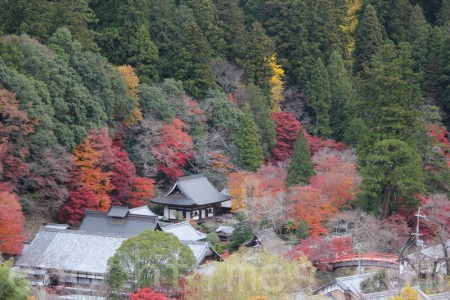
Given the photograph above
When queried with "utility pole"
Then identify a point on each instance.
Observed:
(419, 242)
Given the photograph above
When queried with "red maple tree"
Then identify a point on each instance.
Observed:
(287, 128)
(122, 178)
(174, 149)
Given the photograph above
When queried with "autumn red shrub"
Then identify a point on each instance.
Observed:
(147, 294)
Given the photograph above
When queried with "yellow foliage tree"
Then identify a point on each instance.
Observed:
(242, 277)
(276, 84)
(130, 78)
(242, 185)
(350, 22)
(407, 293)
(132, 83)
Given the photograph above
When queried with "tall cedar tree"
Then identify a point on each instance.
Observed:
(206, 16)
(193, 61)
(389, 96)
(231, 18)
(265, 126)
(319, 98)
(341, 95)
(258, 48)
(368, 38)
(444, 78)
(301, 168)
(246, 140)
(144, 56)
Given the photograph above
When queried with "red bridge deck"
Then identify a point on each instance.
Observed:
(365, 259)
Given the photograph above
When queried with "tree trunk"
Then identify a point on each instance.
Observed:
(385, 204)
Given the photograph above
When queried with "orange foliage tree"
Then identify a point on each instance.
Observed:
(336, 183)
(90, 179)
(142, 191)
(11, 222)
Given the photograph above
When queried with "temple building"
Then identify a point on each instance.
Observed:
(192, 197)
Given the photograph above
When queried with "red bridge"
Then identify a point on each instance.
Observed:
(365, 259)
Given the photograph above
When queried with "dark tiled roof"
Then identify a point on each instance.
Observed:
(174, 199)
(118, 211)
(196, 189)
(94, 221)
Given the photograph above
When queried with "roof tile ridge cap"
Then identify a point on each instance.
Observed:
(191, 176)
(175, 224)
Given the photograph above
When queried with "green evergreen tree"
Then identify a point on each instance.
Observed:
(301, 168)
(368, 38)
(143, 56)
(444, 74)
(258, 48)
(417, 35)
(342, 95)
(259, 105)
(193, 62)
(443, 14)
(231, 18)
(302, 231)
(41, 18)
(391, 171)
(398, 20)
(247, 142)
(432, 69)
(319, 98)
(390, 96)
(389, 158)
(276, 22)
(207, 17)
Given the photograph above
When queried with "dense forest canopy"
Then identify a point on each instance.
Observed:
(102, 101)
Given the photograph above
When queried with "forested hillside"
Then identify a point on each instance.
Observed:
(336, 103)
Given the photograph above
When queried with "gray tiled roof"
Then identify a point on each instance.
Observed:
(118, 211)
(70, 250)
(200, 250)
(94, 221)
(196, 189)
(184, 231)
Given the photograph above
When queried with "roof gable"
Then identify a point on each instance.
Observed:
(184, 231)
